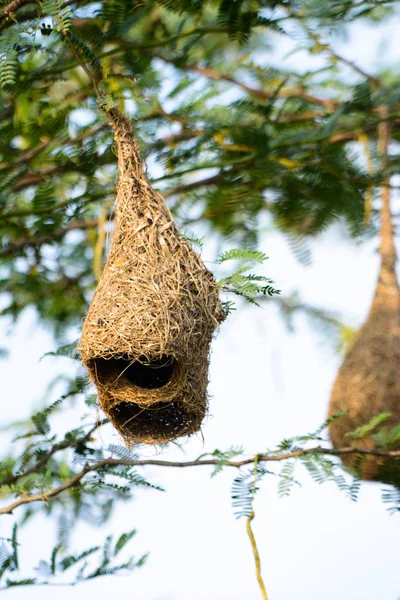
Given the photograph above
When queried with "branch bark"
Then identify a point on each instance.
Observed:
(76, 479)
(257, 92)
(53, 450)
(10, 9)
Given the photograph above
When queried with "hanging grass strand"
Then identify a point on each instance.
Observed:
(252, 538)
(369, 194)
(99, 246)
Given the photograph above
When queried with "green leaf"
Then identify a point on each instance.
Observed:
(69, 561)
(42, 426)
(392, 496)
(244, 254)
(14, 583)
(123, 540)
(14, 545)
(53, 558)
(68, 350)
(366, 429)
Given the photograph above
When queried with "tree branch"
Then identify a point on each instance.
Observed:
(32, 152)
(11, 479)
(180, 189)
(17, 214)
(48, 237)
(6, 21)
(10, 9)
(257, 92)
(76, 479)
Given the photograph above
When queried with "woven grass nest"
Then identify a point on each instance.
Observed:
(145, 340)
(368, 382)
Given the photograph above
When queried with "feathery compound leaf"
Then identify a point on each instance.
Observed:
(354, 490)
(124, 76)
(224, 457)
(4, 555)
(44, 197)
(9, 68)
(318, 467)
(49, 8)
(247, 106)
(286, 479)
(387, 438)
(40, 419)
(53, 558)
(14, 546)
(42, 426)
(14, 583)
(70, 561)
(193, 239)
(123, 540)
(122, 452)
(242, 494)
(244, 254)
(85, 52)
(364, 430)
(244, 489)
(238, 22)
(392, 496)
(316, 435)
(68, 350)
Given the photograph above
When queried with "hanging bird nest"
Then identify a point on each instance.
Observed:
(146, 337)
(368, 383)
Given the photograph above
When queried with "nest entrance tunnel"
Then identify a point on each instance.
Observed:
(139, 413)
(141, 373)
(156, 423)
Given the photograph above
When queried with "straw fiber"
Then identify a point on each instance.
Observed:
(368, 383)
(146, 337)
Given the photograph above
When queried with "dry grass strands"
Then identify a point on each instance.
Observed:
(146, 337)
(368, 383)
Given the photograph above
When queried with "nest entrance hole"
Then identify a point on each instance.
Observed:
(155, 424)
(143, 373)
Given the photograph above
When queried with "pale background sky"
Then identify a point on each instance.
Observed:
(266, 384)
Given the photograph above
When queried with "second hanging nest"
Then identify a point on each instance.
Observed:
(146, 337)
(368, 382)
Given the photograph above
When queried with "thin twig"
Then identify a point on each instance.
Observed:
(326, 48)
(180, 189)
(374, 80)
(11, 479)
(26, 156)
(369, 193)
(107, 462)
(36, 242)
(9, 10)
(99, 246)
(257, 92)
(83, 65)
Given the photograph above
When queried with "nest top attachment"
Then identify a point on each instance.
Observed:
(146, 337)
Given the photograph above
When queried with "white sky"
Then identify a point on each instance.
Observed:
(266, 384)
